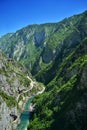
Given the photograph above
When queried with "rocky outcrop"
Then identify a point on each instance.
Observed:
(57, 55)
(14, 83)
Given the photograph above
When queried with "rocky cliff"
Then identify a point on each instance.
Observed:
(14, 82)
(36, 46)
(56, 55)
(64, 103)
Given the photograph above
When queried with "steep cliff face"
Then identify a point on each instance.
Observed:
(64, 104)
(27, 44)
(14, 82)
(36, 46)
(57, 55)
(65, 48)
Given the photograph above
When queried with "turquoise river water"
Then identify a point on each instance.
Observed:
(25, 115)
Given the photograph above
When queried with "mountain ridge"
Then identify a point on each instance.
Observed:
(56, 55)
(33, 45)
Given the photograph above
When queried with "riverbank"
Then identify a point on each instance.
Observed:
(30, 106)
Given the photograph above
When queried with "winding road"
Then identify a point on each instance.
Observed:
(32, 84)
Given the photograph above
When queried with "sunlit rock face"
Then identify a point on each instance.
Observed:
(45, 40)
(12, 80)
(56, 54)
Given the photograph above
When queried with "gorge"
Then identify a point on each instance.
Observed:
(53, 55)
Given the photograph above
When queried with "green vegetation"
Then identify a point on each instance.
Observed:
(44, 41)
(9, 100)
(20, 98)
(56, 54)
(58, 105)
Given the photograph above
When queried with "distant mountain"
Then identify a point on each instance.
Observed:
(36, 46)
(56, 54)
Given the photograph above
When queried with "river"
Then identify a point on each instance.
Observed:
(25, 115)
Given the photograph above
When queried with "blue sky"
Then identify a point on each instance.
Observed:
(15, 14)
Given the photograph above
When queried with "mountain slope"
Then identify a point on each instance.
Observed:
(25, 45)
(64, 104)
(14, 82)
(56, 54)
(67, 46)
(36, 46)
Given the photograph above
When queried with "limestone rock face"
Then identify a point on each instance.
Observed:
(56, 54)
(5, 116)
(13, 81)
(45, 41)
